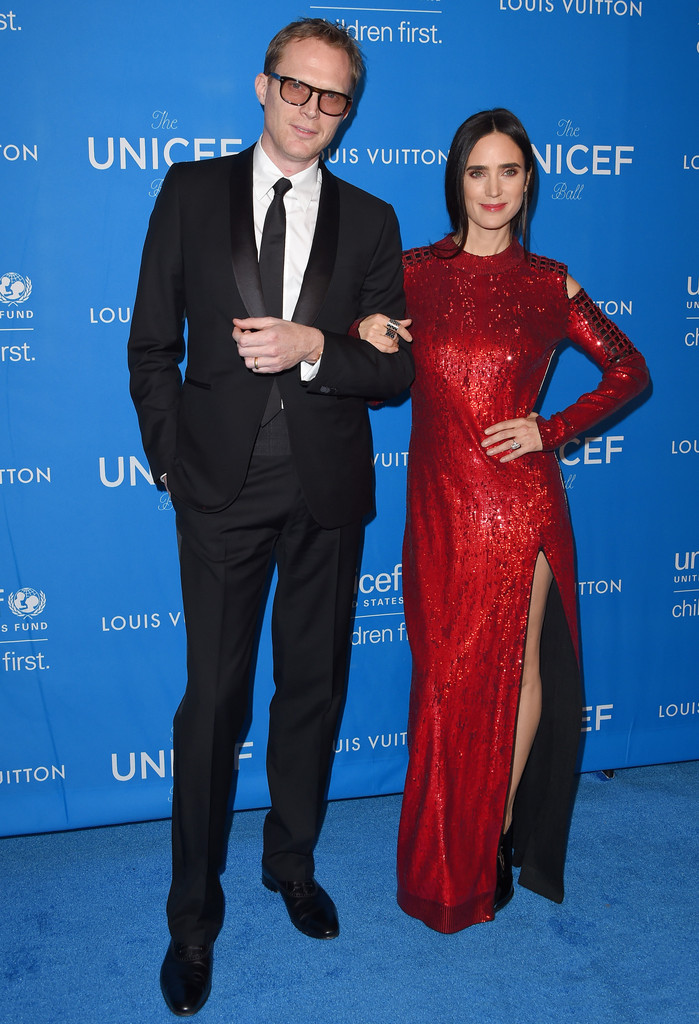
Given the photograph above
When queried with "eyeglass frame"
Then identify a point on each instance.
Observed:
(321, 92)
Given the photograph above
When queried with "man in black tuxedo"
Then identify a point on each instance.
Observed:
(266, 450)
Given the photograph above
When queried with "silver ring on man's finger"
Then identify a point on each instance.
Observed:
(515, 445)
(392, 325)
(390, 334)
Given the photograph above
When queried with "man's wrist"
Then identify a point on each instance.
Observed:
(315, 353)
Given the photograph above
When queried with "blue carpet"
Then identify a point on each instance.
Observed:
(83, 931)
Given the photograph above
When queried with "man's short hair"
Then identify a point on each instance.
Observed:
(316, 28)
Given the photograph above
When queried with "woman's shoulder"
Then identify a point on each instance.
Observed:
(422, 255)
(545, 266)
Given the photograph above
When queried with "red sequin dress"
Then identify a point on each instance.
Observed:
(486, 329)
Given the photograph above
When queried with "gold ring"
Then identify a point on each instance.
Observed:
(254, 364)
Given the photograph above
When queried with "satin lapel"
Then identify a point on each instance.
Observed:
(243, 248)
(321, 261)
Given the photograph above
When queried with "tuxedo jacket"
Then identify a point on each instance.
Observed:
(200, 267)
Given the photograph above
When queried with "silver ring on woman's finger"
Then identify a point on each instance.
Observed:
(390, 334)
(515, 445)
(254, 364)
(392, 325)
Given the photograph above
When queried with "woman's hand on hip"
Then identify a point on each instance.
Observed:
(513, 438)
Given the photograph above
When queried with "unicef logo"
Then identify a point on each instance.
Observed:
(27, 602)
(14, 288)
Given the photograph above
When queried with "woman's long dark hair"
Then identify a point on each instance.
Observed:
(467, 135)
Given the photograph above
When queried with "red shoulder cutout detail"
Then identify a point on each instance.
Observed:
(418, 255)
(547, 265)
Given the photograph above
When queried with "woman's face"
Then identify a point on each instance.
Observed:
(494, 182)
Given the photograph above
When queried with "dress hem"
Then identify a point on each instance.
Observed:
(443, 918)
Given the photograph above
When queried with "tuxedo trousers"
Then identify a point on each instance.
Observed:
(225, 560)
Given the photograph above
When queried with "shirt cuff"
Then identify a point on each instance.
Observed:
(309, 370)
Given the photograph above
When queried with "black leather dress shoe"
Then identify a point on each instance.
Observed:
(310, 908)
(185, 978)
(504, 888)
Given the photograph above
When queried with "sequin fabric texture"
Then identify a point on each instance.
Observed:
(485, 330)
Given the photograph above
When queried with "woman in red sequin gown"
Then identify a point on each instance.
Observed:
(489, 583)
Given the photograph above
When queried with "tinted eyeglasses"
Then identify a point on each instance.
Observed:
(291, 90)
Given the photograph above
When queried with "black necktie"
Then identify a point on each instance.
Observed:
(272, 251)
(272, 275)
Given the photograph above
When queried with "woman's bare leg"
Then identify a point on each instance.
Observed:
(530, 698)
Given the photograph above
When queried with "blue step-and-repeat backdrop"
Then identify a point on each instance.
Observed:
(98, 100)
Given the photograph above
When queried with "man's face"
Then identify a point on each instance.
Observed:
(292, 136)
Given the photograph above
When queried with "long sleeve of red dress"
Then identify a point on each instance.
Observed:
(624, 373)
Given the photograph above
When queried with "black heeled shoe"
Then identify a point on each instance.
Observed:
(504, 889)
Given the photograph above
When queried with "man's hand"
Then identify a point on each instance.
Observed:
(270, 345)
